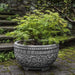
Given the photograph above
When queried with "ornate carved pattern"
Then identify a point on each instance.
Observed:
(36, 57)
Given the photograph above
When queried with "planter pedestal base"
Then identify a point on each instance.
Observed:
(36, 69)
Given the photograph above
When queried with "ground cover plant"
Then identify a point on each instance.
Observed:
(44, 28)
(67, 53)
(1, 31)
(3, 7)
(4, 56)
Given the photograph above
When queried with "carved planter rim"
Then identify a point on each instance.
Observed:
(21, 45)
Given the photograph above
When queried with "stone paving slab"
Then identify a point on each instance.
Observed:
(72, 65)
(73, 71)
(3, 68)
(56, 69)
(17, 73)
(6, 73)
(63, 73)
(31, 73)
(14, 68)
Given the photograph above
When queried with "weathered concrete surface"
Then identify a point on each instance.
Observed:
(59, 67)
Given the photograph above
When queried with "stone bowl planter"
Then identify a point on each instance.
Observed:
(36, 57)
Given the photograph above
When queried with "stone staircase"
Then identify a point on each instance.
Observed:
(6, 42)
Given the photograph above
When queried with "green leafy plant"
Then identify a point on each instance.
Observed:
(43, 28)
(5, 41)
(1, 30)
(4, 56)
(8, 41)
(9, 18)
(1, 9)
(3, 6)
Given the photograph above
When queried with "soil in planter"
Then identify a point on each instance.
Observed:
(32, 42)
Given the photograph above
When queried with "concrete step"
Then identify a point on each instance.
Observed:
(73, 32)
(4, 37)
(7, 17)
(6, 46)
(15, 24)
(68, 42)
(7, 28)
(4, 16)
(15, 9)
(7, 13)
(72, 37)
(7, 22)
